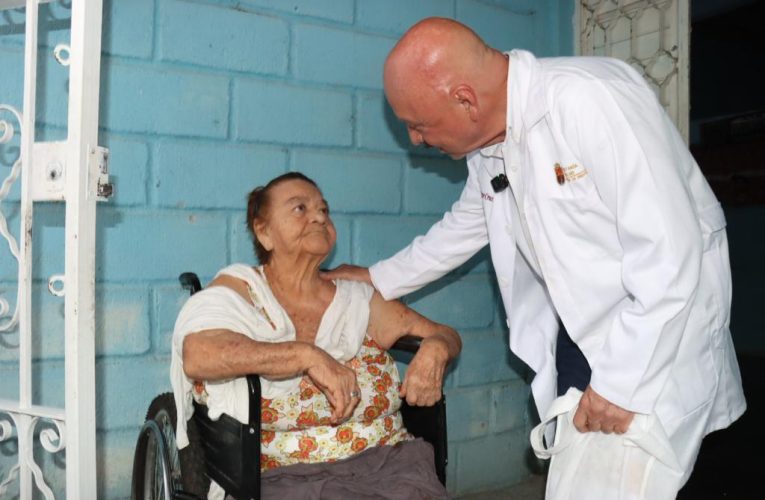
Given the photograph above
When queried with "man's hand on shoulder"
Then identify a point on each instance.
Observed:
(348, 272)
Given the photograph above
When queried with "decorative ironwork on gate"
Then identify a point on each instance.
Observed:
(651, 36)
(73, 171)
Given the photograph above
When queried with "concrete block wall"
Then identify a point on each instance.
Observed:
(201, 101)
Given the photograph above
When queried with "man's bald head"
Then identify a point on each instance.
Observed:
(435, 52)
(448, 86)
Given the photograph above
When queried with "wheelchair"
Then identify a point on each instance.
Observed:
(228, 451)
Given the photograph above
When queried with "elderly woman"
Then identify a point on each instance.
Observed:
(330, 392)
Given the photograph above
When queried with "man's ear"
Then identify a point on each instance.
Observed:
(466, 97)
(263, 235)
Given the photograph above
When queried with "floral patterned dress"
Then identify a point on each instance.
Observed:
(296, 429)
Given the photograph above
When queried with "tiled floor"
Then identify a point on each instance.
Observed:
(730, 464)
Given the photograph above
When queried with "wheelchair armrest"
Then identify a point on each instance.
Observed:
(429, 423)
(254, 394)
(426, 422)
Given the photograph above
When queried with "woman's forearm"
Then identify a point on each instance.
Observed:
(450, 339)
(223, 354)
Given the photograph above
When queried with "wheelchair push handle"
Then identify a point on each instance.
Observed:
(190, 281)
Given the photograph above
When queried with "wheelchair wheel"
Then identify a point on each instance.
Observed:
(160, 470)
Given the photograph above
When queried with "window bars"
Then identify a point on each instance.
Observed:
(650, 35)
(74, 171)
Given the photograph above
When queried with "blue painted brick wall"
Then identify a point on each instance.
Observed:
(222, 38)
(201, 101)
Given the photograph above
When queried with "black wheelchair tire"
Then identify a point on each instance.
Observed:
(187, 466)
(152, 477)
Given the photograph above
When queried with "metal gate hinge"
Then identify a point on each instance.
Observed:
(98, 169)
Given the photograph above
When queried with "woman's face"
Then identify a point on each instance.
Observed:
(296, 221)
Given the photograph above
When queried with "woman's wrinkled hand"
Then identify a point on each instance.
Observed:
(597, 414)
(337, 382)
(425, 375)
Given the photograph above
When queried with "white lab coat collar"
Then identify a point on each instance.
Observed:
(493, 151)
(525, 101)
(497, 150)
(525, 94)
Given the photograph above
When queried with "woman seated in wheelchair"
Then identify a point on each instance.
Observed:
(330, 391)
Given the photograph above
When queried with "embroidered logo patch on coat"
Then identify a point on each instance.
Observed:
(570, 173)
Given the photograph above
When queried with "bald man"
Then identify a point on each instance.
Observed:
(596, 215)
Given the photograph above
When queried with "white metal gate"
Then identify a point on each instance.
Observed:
(73, 171)
(652, 36)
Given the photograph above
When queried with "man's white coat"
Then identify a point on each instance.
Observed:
(609, 225)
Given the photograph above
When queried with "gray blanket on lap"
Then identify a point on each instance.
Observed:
(403, 471)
